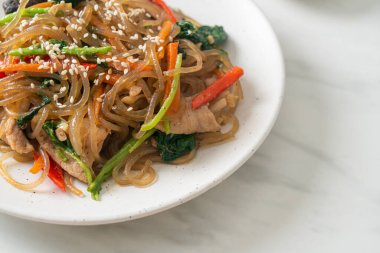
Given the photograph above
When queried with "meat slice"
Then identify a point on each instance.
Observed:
(70, 166)
(15, 138)
(189, 121)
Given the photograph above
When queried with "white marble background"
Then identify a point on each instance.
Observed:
(314, 186)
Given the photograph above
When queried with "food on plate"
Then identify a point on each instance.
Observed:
(93, 90)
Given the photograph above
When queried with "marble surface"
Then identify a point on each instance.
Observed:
(314, 184)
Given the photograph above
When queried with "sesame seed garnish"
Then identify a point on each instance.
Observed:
(94, 36)
(72, 100)
(85, 74)
(85, 35)
(96, 7)
(55, 97)
(32, 85)
(108, 77)
(62, 89)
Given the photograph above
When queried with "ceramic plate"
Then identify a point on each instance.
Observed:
(252, 45)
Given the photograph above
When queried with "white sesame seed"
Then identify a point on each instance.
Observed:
(55, 28)
(32, 85)
(130, 109)
(96, 7)
(108, 77)
(51, 82)
(99, 100)
(64, 72)
(62, 89)
(72, 100)
(85, 35)
(55, 97)
(126, 71)
(94, 36)
(85, 74)
(71, 71)
(83, 57)
(98, 61)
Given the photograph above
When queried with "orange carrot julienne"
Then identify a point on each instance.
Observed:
(166, 8)
(165, 30)
(97, 104)
(164, 34)
(172, 53)
(42, 5)
(38, 164)
(23, 68)
(218, 87)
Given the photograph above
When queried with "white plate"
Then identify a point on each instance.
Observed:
(252, 45)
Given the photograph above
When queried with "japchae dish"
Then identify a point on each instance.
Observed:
(100, 89)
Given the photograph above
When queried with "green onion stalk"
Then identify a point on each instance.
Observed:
(96, 186)
(168, 101)
(65, 50)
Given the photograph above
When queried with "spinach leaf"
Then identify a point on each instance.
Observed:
(173, 146)
(208, 36)
(49, 127)
(65, 148)
(22, 121)
(61, 43)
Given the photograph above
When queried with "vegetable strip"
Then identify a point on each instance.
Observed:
(172, 53)
(217, 88)
(165, 107)
(115, 161)
(65, 50)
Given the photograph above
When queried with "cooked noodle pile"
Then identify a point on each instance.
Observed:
(96, 102)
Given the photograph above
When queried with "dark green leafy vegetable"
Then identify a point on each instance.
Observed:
(173, 146)
(45, 82)
(65, 147)
(208, 36)
(61, 43)
(22, 121)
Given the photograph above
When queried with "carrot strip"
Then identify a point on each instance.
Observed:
(38, 164)
(166, 8)
(23, 68)
(164, 34)
(217, 88)
(97, 104)
(172, 53)
(165, 30)
(42, 5)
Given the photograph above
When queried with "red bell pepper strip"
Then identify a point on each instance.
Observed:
(217, 88)
(56, 175)
(55, 171)
(166, 8)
